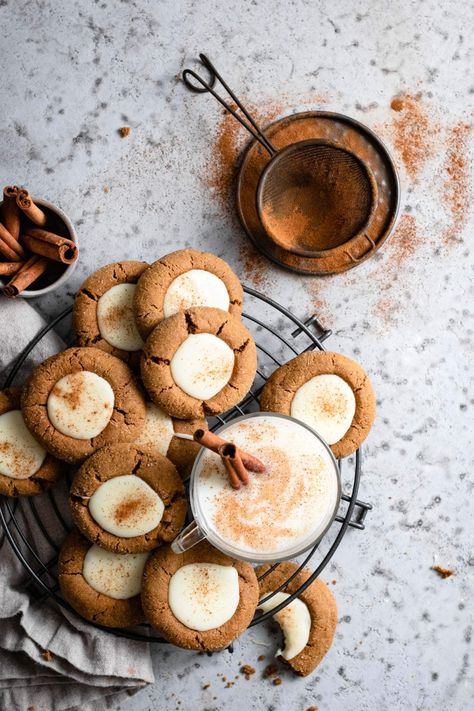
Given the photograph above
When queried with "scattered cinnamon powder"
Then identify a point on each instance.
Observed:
(47, 655)
(414, 131)
(131, 509)
(457, 183)
(442, 572)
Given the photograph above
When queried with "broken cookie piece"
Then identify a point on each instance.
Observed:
(308, 623)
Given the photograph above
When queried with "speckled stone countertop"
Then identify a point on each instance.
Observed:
(74, 72)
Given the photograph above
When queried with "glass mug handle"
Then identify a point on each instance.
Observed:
(188, 538)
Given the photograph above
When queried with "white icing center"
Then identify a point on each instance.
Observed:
(81, 404)
(204, 596)
(158, 430)
(114, 575)
(20, 454)
(202, 365)
(116, 319)
(327, 404)
(126, 506)
(295, 623)
(195, 288)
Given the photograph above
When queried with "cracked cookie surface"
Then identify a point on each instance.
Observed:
(280, 389)
(50, 470)
(321, 606)
(127, 417)
(89, 603)
(155, 282)
(159, 569)
(85, 312)
(166, 339)
(128, 459)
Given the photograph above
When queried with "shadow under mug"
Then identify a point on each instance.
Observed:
(201, 529)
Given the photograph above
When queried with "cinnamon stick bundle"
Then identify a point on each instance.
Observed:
(9, 268)
(10, 210)
(9, 247)
(25, 203)
(60, 249)
(30, 271)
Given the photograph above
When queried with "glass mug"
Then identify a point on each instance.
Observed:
(208, 475)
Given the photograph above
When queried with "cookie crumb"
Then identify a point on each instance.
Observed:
(206, 686)
(312, 708)
(247, 670)
(442, 572)
(229, 684)
(47, 655)
(261, 658)
(333, 582)
(125, 131)
(106, 189)
(270, 670)
(277, 681)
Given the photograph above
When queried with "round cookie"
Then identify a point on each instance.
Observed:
(103, 311)
(157, 436)
(199, 362)
(329, 392)
(101, 586)
(21, 454)
(128, 500)
(181, 280)
(79, 400)
(317, 604)
(204, 587)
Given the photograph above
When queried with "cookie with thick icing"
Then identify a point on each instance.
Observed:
(182, 280)
(327, 391)
(200, 599)
(199, 362)
(128, 500)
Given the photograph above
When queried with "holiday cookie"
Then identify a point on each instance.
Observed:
(25, 466)
(181, 280)
(308, 623)
(103, 311)
(128, 500)
(79, 400)
(200, 599)
(158, 435)
(102, 586)
(201, 361)
(327, 391)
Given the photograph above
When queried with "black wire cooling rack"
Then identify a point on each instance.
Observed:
(279, 336)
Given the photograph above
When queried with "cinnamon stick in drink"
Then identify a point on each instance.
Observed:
(25, 203)
(10, 210)
(9, 268)
(234, 479)
(230, 451)
(31, 270)
(212, 441)
(9, 247)
(55, 247)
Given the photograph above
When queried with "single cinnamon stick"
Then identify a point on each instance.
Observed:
(55, 247)
(25, 203)
(12, 243)
(230, 451)
(212, 441)
(234, 479)
(9, 268)
(10, 210)
(31, 270)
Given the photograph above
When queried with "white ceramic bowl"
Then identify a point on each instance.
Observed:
(59, 223)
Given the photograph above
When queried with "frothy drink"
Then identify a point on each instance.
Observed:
(282, 510)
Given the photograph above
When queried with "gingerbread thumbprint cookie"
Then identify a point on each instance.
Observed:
(308, 623)
(103, 314)
(200, 599)
(102, 586)
(26, 468)
(79, 400)
(128, 500)
(199, 362)
(158, 436)
(181, 280)
(327, 391)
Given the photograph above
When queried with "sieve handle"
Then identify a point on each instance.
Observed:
(250, 125)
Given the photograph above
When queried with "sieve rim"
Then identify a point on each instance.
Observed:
(299, 251)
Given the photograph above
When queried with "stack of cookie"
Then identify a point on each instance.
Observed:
(160, 348)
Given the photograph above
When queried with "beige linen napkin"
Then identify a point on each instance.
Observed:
(50, 659)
